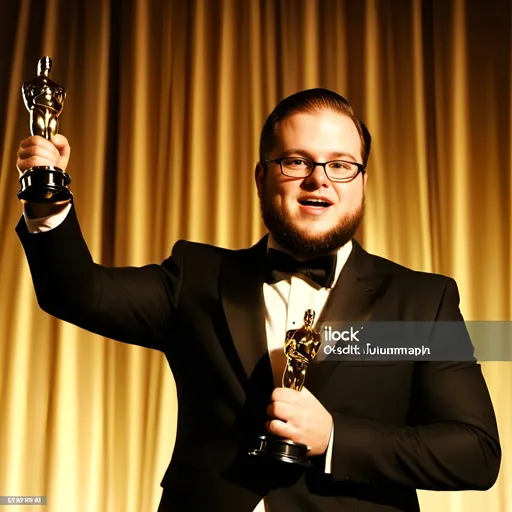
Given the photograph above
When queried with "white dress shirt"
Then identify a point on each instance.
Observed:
(285, 304)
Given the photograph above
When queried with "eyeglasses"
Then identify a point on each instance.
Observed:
(335, 170)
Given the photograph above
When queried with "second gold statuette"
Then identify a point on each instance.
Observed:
(301, 347)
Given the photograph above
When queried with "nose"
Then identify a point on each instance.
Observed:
(318, 177)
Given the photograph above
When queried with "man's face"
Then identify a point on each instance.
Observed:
(295, 223)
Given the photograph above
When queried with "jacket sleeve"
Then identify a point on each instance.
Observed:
(451, 441)
(130, 304)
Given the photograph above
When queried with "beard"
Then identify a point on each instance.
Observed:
(300, 241)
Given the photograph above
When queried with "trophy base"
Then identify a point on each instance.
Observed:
(44, 184)
(282, 450)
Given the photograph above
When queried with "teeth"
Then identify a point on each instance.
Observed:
(318, 201)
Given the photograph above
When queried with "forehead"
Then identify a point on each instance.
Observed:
(319, 134)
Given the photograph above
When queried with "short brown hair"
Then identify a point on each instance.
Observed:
(311, 100)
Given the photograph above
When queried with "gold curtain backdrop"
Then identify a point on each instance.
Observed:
(165, 103)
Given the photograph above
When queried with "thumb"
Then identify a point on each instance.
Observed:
(62, 145)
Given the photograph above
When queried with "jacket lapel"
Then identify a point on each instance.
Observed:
(351, 300)
(242, 300)
(355, 292)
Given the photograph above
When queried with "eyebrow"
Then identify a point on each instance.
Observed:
(333, 154)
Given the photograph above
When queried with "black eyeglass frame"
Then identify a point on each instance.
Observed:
(360, 168)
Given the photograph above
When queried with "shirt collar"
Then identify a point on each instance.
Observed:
(341, 257)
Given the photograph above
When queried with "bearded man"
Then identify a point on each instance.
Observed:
(376, 431)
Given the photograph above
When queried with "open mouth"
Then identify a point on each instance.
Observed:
(318, 203)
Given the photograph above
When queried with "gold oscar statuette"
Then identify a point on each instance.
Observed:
(44, 99)
(300, 347)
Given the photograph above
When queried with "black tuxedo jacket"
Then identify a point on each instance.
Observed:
(398, 426)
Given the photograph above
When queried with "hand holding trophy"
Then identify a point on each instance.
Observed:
(44, 99)
(301, 347)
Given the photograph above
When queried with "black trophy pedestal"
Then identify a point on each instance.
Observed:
(282, 450)
(44, 184)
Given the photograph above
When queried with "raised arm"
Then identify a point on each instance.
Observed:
(128, 304)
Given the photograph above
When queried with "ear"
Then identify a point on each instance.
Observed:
(259, 178)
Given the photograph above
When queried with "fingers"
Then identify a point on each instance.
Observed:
(280, 410)
(35, 141)
(37, 155)
(37, 151)
(299, 417)
(283, 429)
(285, 413)
(49, 152)
(285, 405)
(287, 395)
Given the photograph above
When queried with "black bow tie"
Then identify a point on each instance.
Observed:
(320, 270)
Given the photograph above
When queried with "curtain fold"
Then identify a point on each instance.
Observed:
(165, 103)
